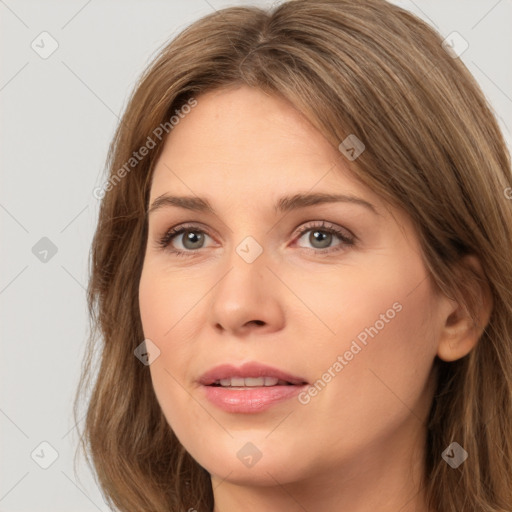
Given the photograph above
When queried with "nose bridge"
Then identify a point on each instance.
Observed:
(249, 250)
(246, 265)
(244, 294)
(247, 234)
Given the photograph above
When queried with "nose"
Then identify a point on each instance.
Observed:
(247, 298)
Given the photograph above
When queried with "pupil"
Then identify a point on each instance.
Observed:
(325, 238)
(193, 237)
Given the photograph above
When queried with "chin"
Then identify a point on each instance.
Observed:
(241, 464)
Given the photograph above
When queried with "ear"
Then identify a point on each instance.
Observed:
(459, 332)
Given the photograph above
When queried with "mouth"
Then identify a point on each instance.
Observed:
(251, 374)
(251, 382)
(250, 388)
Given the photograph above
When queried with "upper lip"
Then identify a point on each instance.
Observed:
(252, 369)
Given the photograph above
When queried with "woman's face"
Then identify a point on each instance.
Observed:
(264, 278)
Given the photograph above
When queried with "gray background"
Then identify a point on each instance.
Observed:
(58, 116)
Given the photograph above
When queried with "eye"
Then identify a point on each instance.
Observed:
(192, 238)
(322, 235)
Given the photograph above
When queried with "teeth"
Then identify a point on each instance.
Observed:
(250, 382)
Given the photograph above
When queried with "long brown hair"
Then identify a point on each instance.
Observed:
(433, 148)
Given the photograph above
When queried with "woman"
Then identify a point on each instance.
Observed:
(302, 273)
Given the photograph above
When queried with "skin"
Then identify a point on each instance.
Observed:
(358, 444)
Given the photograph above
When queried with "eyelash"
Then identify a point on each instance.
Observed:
(167, 238)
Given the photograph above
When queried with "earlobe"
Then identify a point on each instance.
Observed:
(460, 331)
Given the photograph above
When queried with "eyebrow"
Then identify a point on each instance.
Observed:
(283, 205)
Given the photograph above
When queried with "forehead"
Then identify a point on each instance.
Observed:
(244, 139)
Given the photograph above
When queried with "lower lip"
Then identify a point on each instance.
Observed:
(250, 400)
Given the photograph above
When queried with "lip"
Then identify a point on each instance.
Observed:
(252, 369)
(249, 399)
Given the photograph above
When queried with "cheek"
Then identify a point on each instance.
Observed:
(165, 299)
(384, 371)
(374, 346)
(158, 304)
(361, 302)
(151, 302)
(166, 302)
